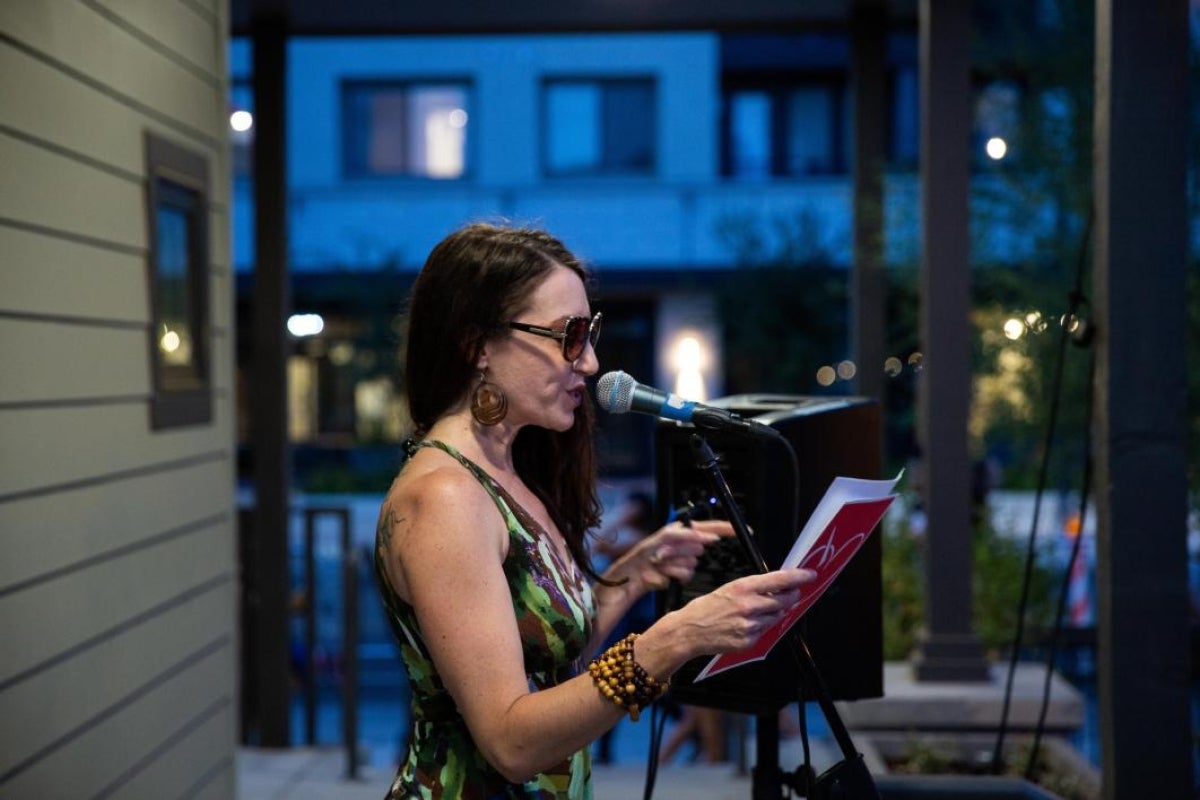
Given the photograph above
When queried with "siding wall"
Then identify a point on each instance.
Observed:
(118, 642)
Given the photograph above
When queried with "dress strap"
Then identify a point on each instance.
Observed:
(481, 475)
(510, 508)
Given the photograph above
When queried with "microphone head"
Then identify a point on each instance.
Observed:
(614, 392)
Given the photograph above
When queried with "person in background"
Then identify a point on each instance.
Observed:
(705, 728)
(632, 522)
(480, 547)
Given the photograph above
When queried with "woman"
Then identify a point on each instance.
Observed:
(480, 550)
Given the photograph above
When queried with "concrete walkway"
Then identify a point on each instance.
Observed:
(319, 774)
(960, 712)
(303, 774)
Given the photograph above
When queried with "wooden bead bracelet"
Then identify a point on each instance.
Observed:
(623, 681)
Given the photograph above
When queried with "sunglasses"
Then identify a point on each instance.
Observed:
(575, 334)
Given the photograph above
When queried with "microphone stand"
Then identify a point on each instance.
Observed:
(849, 778)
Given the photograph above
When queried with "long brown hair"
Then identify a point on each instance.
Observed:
(473, 284)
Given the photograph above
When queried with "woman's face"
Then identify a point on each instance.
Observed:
(543, 388)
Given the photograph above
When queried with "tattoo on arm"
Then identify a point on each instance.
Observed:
(387, 522)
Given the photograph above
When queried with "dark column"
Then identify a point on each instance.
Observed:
(868, 25)
(268, 397)
(1139, 284)
(949, 649)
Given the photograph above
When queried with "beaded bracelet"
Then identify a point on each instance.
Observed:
(623, 681)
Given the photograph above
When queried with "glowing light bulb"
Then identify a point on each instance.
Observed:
(241, 120)
(305, 324)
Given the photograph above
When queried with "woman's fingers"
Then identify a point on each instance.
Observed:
(679, 541)
(771, 592)
(780, 580)
(720, 527)
(677, 533)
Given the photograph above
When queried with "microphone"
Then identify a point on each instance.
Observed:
(617, 393)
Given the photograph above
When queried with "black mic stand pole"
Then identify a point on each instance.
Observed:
(850, 777)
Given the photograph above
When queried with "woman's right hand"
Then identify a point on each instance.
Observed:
(734, 615)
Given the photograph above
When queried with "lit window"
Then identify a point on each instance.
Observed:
(176, 216)
(750, 134)
(785, 129)
(413, 129)
(600, 127)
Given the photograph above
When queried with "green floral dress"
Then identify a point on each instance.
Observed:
(554, 607)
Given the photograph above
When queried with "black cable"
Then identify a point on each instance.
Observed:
(1070, 319)
(795, 461)
(658, 722)
(1064, 589)
(1030, 556)
(803, 719)
(658, 718)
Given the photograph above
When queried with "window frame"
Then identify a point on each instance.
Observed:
(779, 86)
(185, 173)
(354, 167)
(548, 80)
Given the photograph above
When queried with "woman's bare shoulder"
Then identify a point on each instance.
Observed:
(431, 495)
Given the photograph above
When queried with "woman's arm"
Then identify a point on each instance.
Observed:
(446, 554)
(671, 553)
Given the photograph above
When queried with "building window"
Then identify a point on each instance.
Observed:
(414, 129)
(177, 223)
(785, 130)
(599, 127)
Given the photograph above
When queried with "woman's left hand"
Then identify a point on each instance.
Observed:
(672, 552)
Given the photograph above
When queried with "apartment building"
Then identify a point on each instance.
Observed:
(657, 157)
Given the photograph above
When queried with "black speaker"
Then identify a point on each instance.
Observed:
(844, 629)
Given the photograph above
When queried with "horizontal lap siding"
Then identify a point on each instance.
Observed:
(102, 754)
(72, 529)
(148, 635)
(45, 189)
(88, 47)
(50, 276)
(216, 782)
(77, 350)
(185, 38)
(50, 449)
(47, 276)
(118, 569)
(181, 754)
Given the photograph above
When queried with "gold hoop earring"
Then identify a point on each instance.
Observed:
(489, 405)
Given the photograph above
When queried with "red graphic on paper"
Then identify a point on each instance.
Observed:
(833, 549)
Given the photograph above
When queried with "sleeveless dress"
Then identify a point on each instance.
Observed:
(554, 608)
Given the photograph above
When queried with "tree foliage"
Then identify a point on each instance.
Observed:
(783, 311)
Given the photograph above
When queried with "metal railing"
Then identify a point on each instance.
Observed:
(350, 560)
